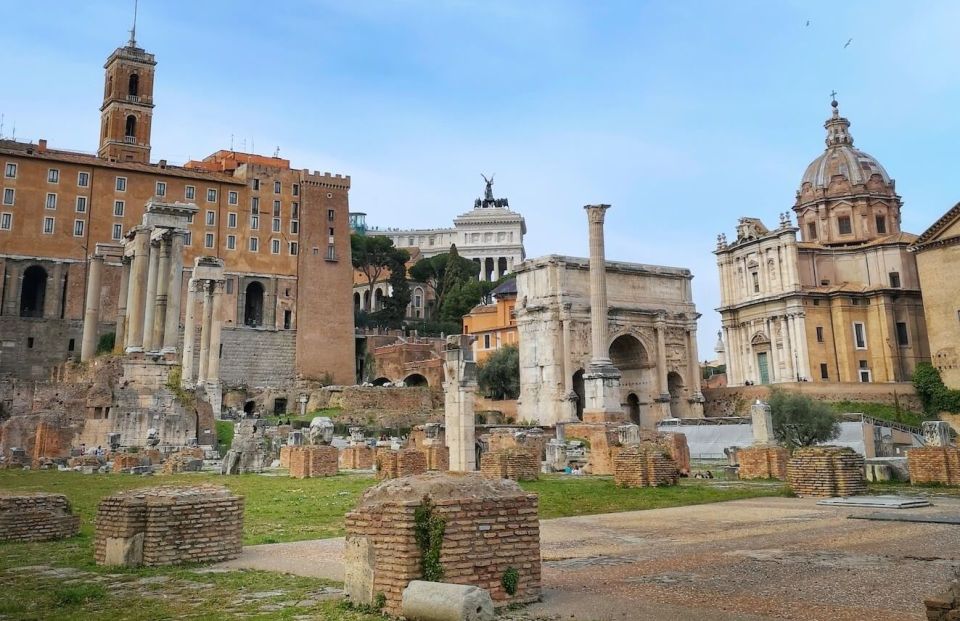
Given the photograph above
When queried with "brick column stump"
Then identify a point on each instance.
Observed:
(313, 461)
(36, 517)
(826, 471)
(763, 462)
(644, 465)
(356, 458)
(405, 462)
(516, 464)
(934, 464)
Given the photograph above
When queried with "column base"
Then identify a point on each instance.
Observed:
(214, 396)
(604, 416)
(133, 349)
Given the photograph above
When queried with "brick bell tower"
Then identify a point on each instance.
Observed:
(127, 111)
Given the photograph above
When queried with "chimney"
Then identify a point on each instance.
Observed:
(42, 147)
(163, 163)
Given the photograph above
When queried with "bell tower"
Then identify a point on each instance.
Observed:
(127, 111)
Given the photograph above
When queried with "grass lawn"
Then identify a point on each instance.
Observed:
(58, 580)
(881, 411)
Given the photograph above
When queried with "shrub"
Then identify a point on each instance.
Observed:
(106, 343)
(510, 580)
(934, 395)
(799, 421)
(499, 375)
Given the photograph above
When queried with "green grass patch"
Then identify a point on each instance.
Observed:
(881, 411)
(224, 436)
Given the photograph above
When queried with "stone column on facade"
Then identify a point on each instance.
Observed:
(788, 343)
(214, 394)
(662, 383)
(746, 332)
(163, 283)
(119, 342)
(171, 328)
(802, 346)
(189, 335)
(793, 260)
(138, 288)
(150, 299)
(460, 384)
(774, 354)
(12, 288)
(602, 379)
(731, 365)
(91, 312)
(693, 365)
(207, 319)
(53, 292)
(570, 397)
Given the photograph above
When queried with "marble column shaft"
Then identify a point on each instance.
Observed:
(205, 333)
(693, 364)
(662, 358)
(213, 365)
(600, 356)
(171, 329)
(91, 313)
(124, 294)
(788, 345)
(189, 335)
(163, 283)
(138, 287)
(150, 298)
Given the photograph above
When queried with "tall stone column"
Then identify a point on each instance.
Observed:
(121, 333)
(661, 325)
(189, 335)
(150, 299)
(171, 329)
(788, 344)
(214, 394)
(460, 384)
(728, 350)
(91, 313)
(163, 283)
(602, 379)
(801, 344)
(205, 333)
(138, 288)
(693, 365)
(12, 286)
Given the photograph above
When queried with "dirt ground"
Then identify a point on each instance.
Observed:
(765, 558)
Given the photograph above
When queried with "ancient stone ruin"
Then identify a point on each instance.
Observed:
(644, 465)
(826, 471)
(248, 451)
(606, 440)
(168, 526)
(764, 459)
(944, 606)
(517, 464)
(443, 527)
(405, 462)
(459, 386)
(36, 517)
(316, 458)
(937, 461)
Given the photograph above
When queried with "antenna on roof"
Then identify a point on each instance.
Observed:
(133, 30)
(276, 152)
(231, 142)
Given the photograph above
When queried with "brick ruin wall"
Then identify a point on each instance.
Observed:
(534, 443)
(484, 535)
(438, 457)
(395, 464)
(168, 526)
(944, 606)
(736, 401)
(605, 445)
(516, 464)
(313, 461)
(257, 357)
(378, 406)
(826, 471)
(36, 517)
(644, 465)
(934, 464)
(356, 458)
(763, 462)
(125, 461)
(187, 459)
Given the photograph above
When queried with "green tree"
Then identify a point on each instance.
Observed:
(499, 375)
(372, 255)
(395, 306)
(799, 421)
(433, 273)
(461, 298)
(934, 395)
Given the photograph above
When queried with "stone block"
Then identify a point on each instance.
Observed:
(356, 457)
(440, 601)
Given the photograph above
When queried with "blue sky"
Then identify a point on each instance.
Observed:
(682, 115)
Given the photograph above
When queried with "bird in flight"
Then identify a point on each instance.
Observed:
(847, 44)
(808, 23)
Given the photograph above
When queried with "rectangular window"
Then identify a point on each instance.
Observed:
(276, 187)
(859, 335)
(843, 225)
(756, 282)
(121, 184)
(294, 227)
(864, 371)
(902, 337)
(881, 224)
(276, 225)
(895, 280)
(486, 341)
(118, 208)
(256, 184)
(8, 196)
(208, 240)
(231, 242)
(78, 228)
(331, 253)
(161, 188)
(819, 334)
(51, 201)
(275, 246)
(255, 205)
(294, 248)
(211, 195)
(48, 226)
(211, 218)
(6, 221)
(331, 215)
(231, 220)
(117, 231)
(254, 244)
(81, 204)
(295, 211)
(189, 192)
(10, 172)
(287, 319)
(188, 239)
(53, 175)
(83, 179)
(296, 189)
(232, 198)
(255, 223)
(276, 209)
(823, 371)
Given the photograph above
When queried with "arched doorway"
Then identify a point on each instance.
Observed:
(380, 381)
(760, 343)
(356, 301)
(366, 301)
(130, 130)
(378, 300)
(628, 354)
(415, 379)
(33, 291)
(253, 305)
(633, 408)
(675, 388)
(134, 85)
(579, 391)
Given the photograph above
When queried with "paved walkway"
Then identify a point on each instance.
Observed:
(765, 558)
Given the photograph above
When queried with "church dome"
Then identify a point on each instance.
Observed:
(841, 158)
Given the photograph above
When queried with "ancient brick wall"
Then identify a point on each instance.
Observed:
(516, 464)
(356, 458)
(36, 517)
(285, 456)
(736, 401)
(490, 526)
(388, 406)
(257, 357)
(125, 461)
(405, 462)
(168, 526)
(763, 462)
(826, 471)
(676, 446)
(438, 457)
(934, 464)
(187, 459)
(534, 442)
(644, 465)
(30, 348)
(313, 461)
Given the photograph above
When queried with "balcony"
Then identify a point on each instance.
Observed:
(130, 139)
(133, 98)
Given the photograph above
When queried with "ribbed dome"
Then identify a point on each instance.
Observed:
(841, 158)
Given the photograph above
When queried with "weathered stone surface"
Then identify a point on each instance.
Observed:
(826, 471)
(36, 517)
(944, 606)
(644, 465)
(517, 464)
(440, 601)
(313, 461)
(405, 462)
(763, 462)
(247, 451)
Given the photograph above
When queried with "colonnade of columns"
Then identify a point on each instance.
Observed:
(494, 268)
(205, 289)
(787, 363)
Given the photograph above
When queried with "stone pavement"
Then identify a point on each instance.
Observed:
(764, 558)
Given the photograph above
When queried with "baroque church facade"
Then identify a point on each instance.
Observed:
(834, 298)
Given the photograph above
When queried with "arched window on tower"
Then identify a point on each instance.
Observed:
(33, 291)
(253, 305)
(131, 128)
(134, 86)
(109, 90)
